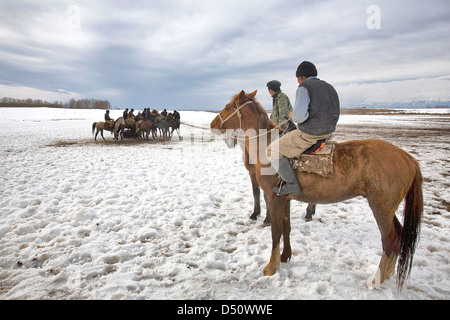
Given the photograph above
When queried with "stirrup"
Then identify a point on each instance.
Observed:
(278, 185)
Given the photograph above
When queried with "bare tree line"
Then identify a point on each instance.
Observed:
(71, 104)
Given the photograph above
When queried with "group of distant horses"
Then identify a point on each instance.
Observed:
(138, 127)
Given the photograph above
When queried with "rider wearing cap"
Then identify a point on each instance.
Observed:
(107, 117)
(316, 112)
(108, 120)
(281, 104)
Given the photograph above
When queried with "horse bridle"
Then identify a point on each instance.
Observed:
(236, 111)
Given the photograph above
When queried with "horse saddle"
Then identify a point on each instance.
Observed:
(317, 159)
(108, 125)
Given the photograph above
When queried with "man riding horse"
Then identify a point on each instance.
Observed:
(108, 120)
(316, 112)
(281, 105)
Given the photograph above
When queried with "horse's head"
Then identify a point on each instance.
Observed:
(243, 112)
(230, 118)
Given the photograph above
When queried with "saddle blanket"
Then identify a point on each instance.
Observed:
(320, 162)
(108, 125)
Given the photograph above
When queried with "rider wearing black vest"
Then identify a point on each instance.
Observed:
(316, 112)
(323, 107)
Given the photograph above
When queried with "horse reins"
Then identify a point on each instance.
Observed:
(236, 111)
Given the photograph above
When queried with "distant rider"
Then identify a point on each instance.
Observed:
(148, 116)
(109, 122)
(176, 115)
(107, 117)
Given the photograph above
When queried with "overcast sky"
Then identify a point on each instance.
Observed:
(197, 54)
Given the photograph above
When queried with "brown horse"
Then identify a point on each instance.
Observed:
(374, 169)
(174, 124)
(145, 128)
(100, 126)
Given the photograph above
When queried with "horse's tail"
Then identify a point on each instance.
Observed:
(411, 226)
(93, 127)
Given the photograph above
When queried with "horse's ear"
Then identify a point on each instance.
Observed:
(242, 95)
(253, 94)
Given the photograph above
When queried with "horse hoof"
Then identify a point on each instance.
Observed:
(286, 258)
(268, 273)
(269, 270)
(266, 224)
(254, 216)
(375, 280)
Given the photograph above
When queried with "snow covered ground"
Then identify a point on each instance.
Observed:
(169, 219)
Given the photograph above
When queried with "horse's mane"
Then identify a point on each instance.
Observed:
(256, 107)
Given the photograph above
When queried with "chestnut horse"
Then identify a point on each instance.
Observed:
(145, 128)
(100, 126)
(174, 124)
(373, 169)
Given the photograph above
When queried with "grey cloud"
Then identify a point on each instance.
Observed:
(196, 54)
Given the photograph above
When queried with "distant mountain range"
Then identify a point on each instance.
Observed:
(405, 105)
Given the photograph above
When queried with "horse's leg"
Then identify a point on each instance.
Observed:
(101, 132)
(267, 220)
(391, 230)
(256, 197)
(115, 131)
(310, 211)
(277, 219)
(287, 253)
(96, 135)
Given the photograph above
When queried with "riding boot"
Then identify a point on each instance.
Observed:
(289, 176)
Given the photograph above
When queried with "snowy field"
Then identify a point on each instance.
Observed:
(169, 219)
